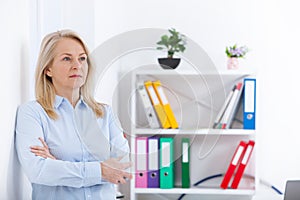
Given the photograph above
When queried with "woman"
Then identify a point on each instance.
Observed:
(69, 146)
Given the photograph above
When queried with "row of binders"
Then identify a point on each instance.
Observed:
(238, 164)
(155, 162)
(157, 107)
(226, 115)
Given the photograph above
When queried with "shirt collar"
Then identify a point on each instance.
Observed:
(59, 100)
(82, 102)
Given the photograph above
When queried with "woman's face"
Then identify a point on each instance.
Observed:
(69, 67)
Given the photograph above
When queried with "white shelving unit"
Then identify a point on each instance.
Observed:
(195, 98)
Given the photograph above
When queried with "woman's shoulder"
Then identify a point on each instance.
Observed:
(105, 106)
(106, 109)
(30, 106)
(109, 112)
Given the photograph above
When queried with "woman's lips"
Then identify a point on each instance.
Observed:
(75, 76)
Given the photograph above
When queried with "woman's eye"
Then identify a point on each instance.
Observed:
(82, 58)
(66, 58)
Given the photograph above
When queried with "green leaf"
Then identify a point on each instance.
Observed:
(181, 48)
(173, 31)
(174, 43)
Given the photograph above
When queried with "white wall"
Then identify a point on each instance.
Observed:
(14, 67)
(279, 135)
(23, 24)
(268, 27)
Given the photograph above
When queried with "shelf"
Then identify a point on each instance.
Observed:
(196, 98)
(210, 191)
(238, 132)
(192, 71)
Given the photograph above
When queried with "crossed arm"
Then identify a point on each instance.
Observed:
(112, 169)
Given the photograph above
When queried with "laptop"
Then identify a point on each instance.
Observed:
(292, 190)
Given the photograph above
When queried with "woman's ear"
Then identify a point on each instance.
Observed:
(48, 72)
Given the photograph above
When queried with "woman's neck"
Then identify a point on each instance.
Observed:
(72, 96)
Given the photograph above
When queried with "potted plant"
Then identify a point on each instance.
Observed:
(173, 43)
(233, 53)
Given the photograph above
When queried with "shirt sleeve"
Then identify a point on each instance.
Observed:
(118, 142)
(47, 171)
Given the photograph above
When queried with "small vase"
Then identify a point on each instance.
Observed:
(233, 63)
(169, 63)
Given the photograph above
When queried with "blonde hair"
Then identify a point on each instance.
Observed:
(44, 89)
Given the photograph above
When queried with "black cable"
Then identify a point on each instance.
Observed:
(221, 174)
(201, 181)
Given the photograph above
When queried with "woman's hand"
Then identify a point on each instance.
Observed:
(42, 151)
(113, 170)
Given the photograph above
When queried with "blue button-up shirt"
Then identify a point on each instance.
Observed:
(78, 140)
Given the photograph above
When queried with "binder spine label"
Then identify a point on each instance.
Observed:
(153, 155)
(165, 154)
(247, 155)
(162, 96)
(185, 152)
(238, 155)
(249, 94)
(153, 95)
(141, 163)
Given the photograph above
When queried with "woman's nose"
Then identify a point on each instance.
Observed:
(76, 63)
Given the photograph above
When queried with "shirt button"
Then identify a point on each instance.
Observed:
(89, 196)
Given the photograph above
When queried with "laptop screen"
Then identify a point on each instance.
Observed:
(292, 190)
